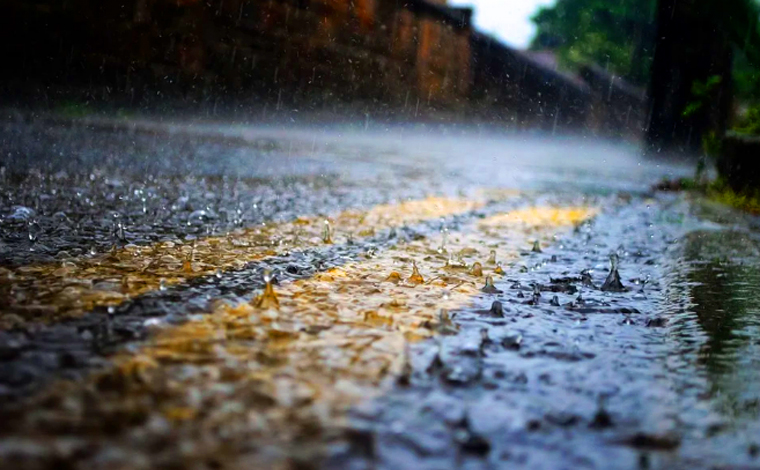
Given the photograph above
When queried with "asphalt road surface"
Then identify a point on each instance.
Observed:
(217, 295)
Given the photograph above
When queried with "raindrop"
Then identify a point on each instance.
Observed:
(327, 233)
(111, 310)
(444, 239)
(162, 284)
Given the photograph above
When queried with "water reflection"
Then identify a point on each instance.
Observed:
(721, 284)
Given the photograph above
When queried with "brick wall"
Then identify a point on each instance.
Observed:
(413, 58)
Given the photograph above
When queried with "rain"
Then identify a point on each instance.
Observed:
(372, 234)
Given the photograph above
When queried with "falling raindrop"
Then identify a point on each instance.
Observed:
(444, 239)
(327, 233)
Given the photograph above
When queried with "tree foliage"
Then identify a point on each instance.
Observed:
(618, 35)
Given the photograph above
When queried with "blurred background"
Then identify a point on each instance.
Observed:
(677, 74)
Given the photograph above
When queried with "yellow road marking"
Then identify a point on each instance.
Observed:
(244, 375)
(51, 292)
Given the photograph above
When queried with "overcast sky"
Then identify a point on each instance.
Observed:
(508, 20)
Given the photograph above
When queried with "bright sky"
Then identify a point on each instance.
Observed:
(508, 20)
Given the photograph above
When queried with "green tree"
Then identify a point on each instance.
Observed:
(618, 35)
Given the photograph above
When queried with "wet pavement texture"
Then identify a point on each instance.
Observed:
(560, 363)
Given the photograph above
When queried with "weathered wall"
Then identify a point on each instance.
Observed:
(409, 59)
(308, 52)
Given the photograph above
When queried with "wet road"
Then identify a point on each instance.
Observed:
(437, 298)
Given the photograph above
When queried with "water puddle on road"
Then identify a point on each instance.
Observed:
(715, 315)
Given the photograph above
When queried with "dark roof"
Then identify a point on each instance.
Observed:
(550, 73)
(455, 16)
(596, 76)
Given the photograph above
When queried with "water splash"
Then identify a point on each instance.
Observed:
(497, 309)
(536, 247)
(476, 270)
(34, 231)
(393, 277)
(490, 288)
(267, 299)
(613, 282)
(536, 294)
(491, 258)
(416, 278)
(444, 239)
(498, 269)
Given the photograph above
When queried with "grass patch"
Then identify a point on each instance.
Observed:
(745, 201)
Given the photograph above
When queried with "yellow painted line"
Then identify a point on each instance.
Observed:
(279, 373)
(50, 292)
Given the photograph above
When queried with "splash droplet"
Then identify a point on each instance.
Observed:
(536, 247)
(393, 277)
(613, 282)
(416, 277)
(119, 233)
(497, 309)
(444, 239)
(267, 299)
(476, 269)
(34, 231)
(498, 269)
(491, 258)
(490, 288)
(536, 294)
